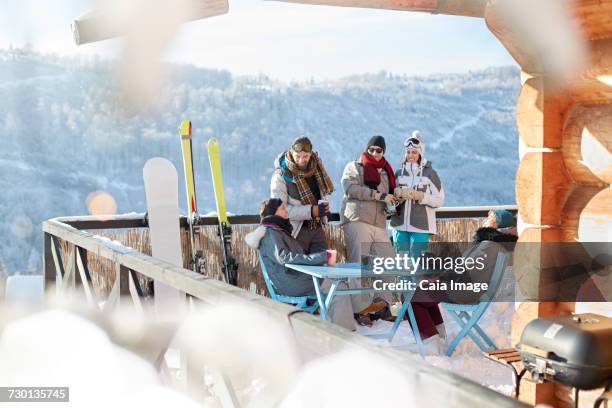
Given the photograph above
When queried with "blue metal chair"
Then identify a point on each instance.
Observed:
(301, 302)
(468, 315)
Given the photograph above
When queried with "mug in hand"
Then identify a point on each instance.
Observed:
(331, 257)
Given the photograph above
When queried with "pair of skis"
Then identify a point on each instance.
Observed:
(230, 266)
(162, 205)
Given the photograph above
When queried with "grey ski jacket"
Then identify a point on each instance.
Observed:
(277, 249)
(418, 216)
(359, 203)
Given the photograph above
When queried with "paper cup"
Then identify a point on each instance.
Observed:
(331, 256)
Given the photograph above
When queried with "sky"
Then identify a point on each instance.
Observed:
(282, 40)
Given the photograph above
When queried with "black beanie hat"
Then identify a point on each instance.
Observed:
(269, 207)
(377, 141)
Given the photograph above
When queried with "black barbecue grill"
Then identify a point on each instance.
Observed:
(572, 350)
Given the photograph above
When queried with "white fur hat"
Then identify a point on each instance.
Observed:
(414, 141)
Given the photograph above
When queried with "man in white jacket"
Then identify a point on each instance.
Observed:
(301, 182)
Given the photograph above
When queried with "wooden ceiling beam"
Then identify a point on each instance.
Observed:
(468, 8)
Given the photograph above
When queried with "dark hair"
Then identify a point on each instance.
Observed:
(269, 206)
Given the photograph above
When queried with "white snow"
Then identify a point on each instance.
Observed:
(467, 360)
(58, 348)
(25, 288)
(255, 352)
(352, 379)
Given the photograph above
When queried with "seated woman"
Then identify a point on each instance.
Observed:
(278, 247)
(500, 226)
(497, 235)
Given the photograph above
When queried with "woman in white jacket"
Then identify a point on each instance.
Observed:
(420, 192)
(420, 189)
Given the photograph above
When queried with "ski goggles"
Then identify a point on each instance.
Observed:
(412, 143)
(302, 147)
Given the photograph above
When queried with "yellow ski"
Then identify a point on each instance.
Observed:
(214, 157)
(230, 267)
(192, 207)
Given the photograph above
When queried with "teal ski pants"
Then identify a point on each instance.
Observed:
(412, 242)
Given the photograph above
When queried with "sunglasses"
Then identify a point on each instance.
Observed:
(302, 147)
(372, 150)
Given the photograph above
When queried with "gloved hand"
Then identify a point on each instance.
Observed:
(405, 193)
(410, 193)
(398, 194)
(320, 210)
(387, 198)
(401, 193)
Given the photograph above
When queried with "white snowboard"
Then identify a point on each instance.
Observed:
(161, 188)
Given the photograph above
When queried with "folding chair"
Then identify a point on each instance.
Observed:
(301, 302)
(467, 315)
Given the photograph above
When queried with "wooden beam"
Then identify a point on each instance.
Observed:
(468, 8)
(102, 24)
(595, 83)
(58, 262)
(595, 222)
(591, 83)
(594, 17)
(49, 261)
(69, 279)
(524, 52)
(587, 144)
(578, 199)
(539, 115)
(532, 261)
(542, 185)
(84, 277)
(135, 290)
(114, 296)
(122, 221)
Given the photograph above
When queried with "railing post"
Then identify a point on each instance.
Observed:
(78, 278)
(48, 263)
(71, 269)
(124, 282)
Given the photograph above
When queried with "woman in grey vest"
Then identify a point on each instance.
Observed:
(368, 185)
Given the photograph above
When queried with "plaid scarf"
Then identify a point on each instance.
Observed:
(315, 167)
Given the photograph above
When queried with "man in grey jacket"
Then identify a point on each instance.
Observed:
(301, 182)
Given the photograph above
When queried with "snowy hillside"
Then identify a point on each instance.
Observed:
(64, 135)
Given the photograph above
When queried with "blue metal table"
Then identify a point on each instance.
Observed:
(346, 271)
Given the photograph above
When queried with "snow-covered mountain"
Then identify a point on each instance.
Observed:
(64, 135)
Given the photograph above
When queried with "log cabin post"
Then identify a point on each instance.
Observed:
(563, 180)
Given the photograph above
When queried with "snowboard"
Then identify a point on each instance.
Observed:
(230, 266)
(192, 207)
(161, 189)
